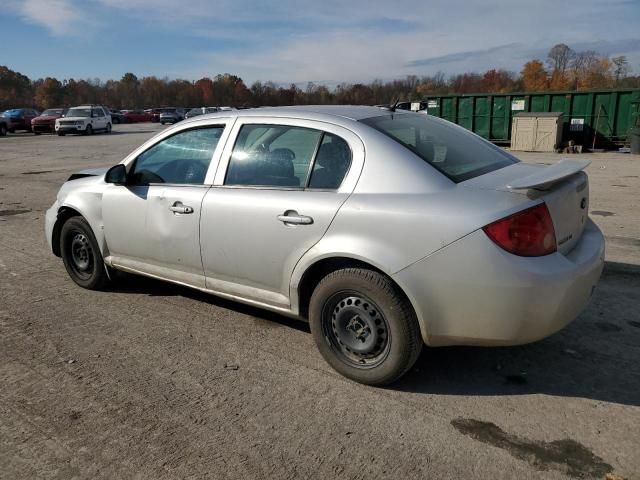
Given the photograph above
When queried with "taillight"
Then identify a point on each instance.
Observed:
(528, 233)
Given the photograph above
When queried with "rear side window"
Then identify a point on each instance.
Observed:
(455, 152)
(272, 155)
(332, 163)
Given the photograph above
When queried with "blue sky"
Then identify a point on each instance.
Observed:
(328, 41)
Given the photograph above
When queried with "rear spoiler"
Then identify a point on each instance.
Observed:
(548, 175)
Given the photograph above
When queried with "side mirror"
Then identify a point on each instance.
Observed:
(116, 174)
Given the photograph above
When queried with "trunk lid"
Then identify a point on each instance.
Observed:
(563, 186)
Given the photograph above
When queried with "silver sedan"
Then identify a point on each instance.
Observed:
(385, 230)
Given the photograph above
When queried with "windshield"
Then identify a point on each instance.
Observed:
(52, 112)
(454, 151)
(15, 111)
(79, 112)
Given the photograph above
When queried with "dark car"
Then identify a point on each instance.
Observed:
(172, 115)
(19, 118)
(116, 116)
(194, 112)
(46, 121)
(135, 116)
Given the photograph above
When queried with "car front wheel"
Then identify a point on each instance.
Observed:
(88, 130)
(81, 255)
(108, 129)
(364, 326)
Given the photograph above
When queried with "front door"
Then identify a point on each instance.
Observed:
(278, 197)
(151, 224)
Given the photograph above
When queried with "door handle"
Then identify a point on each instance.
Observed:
(291, 217)
(178, 207)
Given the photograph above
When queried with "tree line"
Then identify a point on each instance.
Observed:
(563, 69)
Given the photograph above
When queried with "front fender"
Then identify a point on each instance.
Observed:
(89, 205)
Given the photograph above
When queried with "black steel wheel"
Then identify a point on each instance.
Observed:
(81, 255)
(356, 329)
(364, 326)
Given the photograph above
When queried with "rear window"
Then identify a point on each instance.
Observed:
(452, 150)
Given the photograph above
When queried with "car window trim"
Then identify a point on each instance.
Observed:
(134, 162)
(312, 163)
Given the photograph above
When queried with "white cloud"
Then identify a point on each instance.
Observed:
(58, 16)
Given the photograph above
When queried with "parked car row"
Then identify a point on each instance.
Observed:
(30, 120)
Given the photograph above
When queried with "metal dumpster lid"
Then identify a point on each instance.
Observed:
(539, 114)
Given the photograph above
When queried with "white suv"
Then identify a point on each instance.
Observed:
(84, 119)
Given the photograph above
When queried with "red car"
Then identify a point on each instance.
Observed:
(134, 116)
(46, 121)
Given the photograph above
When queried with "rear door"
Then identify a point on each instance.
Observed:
(279, 185)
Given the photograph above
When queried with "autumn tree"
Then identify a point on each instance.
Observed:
(49, 93)
(534, 76)
(559, 60)
(128, 91)
(205, 88)
(621, 67)
(15, 89)
(497, 81)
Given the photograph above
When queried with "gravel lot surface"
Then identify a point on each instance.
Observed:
(154, 381)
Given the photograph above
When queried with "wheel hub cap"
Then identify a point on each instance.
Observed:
(358, 327)
(81, 252)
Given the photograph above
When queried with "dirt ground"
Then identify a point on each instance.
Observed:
(154, 381)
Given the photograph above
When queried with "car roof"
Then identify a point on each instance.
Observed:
(353, 112)
(335, 113)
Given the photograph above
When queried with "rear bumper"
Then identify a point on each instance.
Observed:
(474, 293)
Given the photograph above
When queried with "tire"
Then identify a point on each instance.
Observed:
(108, 129)
(3, 130)
(81, 255)
(162, 123)
(88, 130)
(36, 133)
(11, 130)
(364, 326)
(60, 134)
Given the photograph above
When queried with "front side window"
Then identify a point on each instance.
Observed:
(457, 153)
(183, 158)
(97, 112)
(272, 156)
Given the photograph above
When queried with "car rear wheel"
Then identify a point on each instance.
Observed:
(3, 130)
(81, 255)
(88, 130)
(364, 326)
